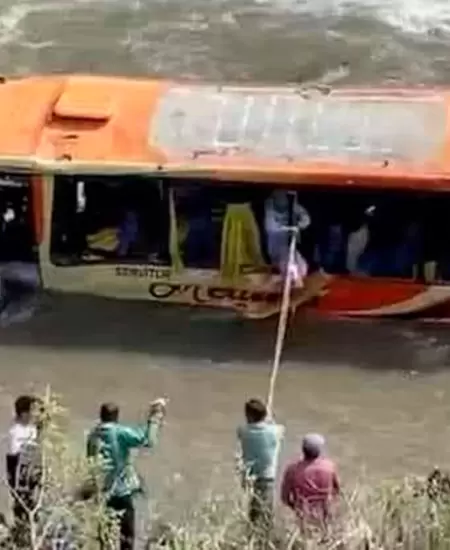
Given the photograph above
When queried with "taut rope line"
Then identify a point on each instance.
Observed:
(282, 320)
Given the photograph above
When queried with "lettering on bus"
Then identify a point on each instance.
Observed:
(207, 294)
(149, 272)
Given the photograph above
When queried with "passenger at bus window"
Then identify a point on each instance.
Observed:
(357, 241)
(333, 248)
(334, 227)
(278, 235)
(128, 233)
(373, 259)
(324, 217)
(196, 210)
(406, 253)
(380, 235)
(154, 224)
(394, 245)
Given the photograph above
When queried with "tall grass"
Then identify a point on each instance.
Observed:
(398, 515)
(409, 514)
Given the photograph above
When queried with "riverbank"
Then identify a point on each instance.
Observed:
(378, 393)
(402, 514)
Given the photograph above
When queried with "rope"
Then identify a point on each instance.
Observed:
(282, 322)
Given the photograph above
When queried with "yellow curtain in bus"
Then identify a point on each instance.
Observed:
(175, 236)
(240, 241)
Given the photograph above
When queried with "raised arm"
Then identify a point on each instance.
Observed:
(146, 435)
(303, 219)
(139, 436)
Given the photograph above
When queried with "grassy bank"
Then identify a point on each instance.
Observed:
(408, 514)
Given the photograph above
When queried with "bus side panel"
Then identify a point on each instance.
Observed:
(370, 297)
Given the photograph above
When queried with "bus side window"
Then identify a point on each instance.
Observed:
(109, 219)
(216, 225)
(198, 214)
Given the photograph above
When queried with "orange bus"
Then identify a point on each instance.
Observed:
(184, 170)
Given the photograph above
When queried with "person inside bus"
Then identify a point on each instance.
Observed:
(194, 208)
(329, 238)
(277, 214)
(407, 252)
(128, 233)
(334, 227)
(394, 241)
(373, 260)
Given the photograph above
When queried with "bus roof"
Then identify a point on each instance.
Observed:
(287, 134)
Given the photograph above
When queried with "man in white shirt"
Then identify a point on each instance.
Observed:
(22, 434)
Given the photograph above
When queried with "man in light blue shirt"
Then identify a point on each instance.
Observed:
(260, 440)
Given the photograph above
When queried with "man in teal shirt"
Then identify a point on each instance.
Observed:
(260, 440)
(113, 442)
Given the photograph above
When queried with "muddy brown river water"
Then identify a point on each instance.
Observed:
(380, 393)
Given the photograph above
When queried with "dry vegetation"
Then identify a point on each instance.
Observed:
(59, 519)
(400, 516)
(408, 515)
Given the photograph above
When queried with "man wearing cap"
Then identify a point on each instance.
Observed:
(311, 484)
